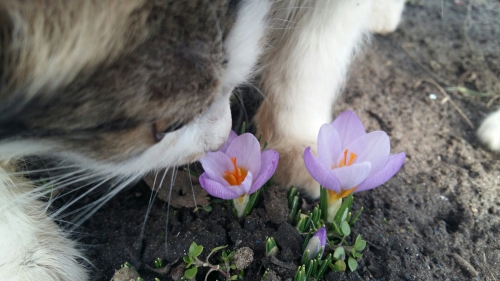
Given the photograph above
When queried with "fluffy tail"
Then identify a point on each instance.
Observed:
(32, 246)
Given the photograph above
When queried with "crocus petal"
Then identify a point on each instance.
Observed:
(218, 190)
(214, 164)
(319, 172)
(232, 136)
(351, 176)
(373, 147)
(246, 149)
(246, 185)
(329, 145)
(390, 169)
(321, 234)
(349, 127)
(269, 162)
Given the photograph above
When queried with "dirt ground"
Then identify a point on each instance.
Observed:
(437, 219)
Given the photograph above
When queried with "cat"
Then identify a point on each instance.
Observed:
(117, 88)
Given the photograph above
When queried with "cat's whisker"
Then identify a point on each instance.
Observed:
(152, 197)
(67, 214)
(192, 188)
(93, 207)
(73, 201)
(28, 172)
(172, 181)
(38, 192)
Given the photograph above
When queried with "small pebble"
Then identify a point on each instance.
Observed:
(433, 97)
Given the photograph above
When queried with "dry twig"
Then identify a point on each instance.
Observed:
(457, 108)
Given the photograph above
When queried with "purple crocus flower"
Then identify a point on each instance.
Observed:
(238, 169)
(350, 160)
(316, 245)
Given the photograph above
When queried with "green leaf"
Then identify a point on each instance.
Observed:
(345, 207)
(187, 259)
(353, 264)
(294, 206)
(323, 202)
(339, 266)
(322, 268)
(346, 229)
(359, 244)
(234, 277)
(305, 258)
(291, 194)
(356, 255)
(243, 128)
(339, 252)
(190, 273)
(192, 249)
(193, 173)
(198, 250)
(311, 269)
(253, 200)
(207, 209)
(355, 218)
(300, 274)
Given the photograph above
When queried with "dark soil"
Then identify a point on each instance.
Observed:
(437, 219)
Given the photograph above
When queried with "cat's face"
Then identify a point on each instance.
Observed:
(123, 86)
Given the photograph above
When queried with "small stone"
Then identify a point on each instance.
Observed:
(474, 210)
(125, 274)
(243, 258)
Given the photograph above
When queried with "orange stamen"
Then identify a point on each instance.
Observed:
(237, 176)
(344, 161)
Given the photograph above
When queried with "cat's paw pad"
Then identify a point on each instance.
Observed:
(489, 132)
(291, 169)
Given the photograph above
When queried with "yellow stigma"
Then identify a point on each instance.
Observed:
(237, 176)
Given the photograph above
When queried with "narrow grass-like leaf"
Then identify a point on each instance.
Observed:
(355, 218)
(323, 202)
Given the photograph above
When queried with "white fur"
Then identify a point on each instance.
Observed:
(32, 247)
(489, 132)
(386, 15)
(303, 76)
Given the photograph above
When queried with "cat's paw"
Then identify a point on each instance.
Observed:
(489, 132)
(386, 15)
(291, 169)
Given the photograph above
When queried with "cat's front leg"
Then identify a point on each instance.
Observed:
(304, 70)
(32, 246)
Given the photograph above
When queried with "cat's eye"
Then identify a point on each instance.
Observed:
(160, 129)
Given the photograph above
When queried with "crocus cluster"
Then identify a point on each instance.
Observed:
(350, 160)
(238, 169)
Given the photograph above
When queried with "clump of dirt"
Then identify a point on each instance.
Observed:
(437, 219)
